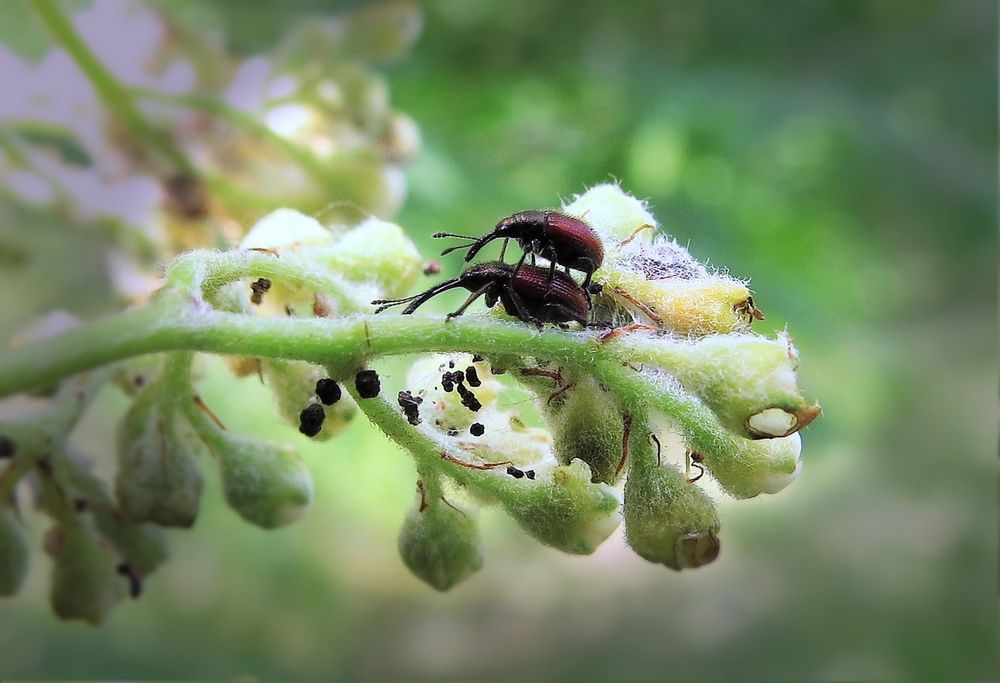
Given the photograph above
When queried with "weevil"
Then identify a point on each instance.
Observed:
(563, 240)
(526, 293)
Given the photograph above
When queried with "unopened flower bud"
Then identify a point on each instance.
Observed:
(613, 214)
(565, 510)
(293, 383)
(747, 380)
(267, 484)
(143, 546)
(285, 229)
(587, 426)
(668, 520)
(13, 554)
(655, 279)
(698, 306)
(440, 544)
(84, 582)
(763, 466)
(158, 479)
(377, 250)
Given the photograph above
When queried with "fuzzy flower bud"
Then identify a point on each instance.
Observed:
(563, 509)
(293, 382)
(669, 521)
(284, 229)
(376, 250)
(440, 544)
(655, 279)
(266, 484)
(375, 253)
(84, 582)
(158, 479)
(13, 554)
(612, 213)
(764, 466)
(588, 426)
(748, 381)
(143, 546)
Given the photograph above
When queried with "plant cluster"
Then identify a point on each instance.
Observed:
(665, 388)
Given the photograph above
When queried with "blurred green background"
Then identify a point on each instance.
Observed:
(843, 156)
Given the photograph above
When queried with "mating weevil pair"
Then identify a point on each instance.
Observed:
(531, 293)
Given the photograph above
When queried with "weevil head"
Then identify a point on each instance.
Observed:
(481, 274)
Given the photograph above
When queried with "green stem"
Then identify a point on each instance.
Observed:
(215, 269)
(111, 91)
(344, 344)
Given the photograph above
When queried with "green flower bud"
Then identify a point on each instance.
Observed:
(265, 483)
(655, 278)
(143, 546)
(755, 467)
(669, 521)
(613, 214)
(158, 479)
(748, 381)
(293, 382)
(84, 583)
(440, 545)
(588, 426)
(376, 250)
(563, 509)
(284, 229)
(13, 554)
(714, 304)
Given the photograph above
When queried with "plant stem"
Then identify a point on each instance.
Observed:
(171, 324)
(114, 95)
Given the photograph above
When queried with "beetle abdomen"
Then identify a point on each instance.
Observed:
(551, 296)
(577, 245)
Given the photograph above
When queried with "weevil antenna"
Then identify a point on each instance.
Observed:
(472, 242)
(421, 299)
(439, 235)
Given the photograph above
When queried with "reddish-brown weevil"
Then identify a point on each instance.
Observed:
(563, 240)
(529, 293)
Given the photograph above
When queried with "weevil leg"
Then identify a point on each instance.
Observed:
(520, 262)
(472, 297)
(562, 310)
(520, 309)
(590, 274)
(503, 249)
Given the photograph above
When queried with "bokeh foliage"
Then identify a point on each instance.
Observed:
(840, 154)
